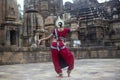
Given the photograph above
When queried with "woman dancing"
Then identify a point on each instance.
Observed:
(61, 55)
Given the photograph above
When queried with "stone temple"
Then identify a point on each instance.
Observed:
(96, 44)
(99, 24)
(97, 36)
(9, 25)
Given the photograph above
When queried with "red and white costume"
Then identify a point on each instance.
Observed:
(58, 48)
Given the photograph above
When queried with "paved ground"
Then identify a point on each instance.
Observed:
(85, 69)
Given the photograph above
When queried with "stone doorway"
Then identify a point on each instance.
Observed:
(13, 34)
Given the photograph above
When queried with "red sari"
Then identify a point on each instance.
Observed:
(61, 55)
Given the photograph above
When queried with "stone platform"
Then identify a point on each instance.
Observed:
(85, 69)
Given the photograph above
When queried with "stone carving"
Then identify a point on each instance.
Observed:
(9, 27)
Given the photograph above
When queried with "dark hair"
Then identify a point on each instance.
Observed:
(60, 24)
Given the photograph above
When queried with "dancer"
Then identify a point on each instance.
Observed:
(61, 55)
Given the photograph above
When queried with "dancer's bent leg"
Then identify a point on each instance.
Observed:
(69, 58)
(56, 62)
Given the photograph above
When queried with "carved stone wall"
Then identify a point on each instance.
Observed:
(99, 22)
(44, 55)
(33, 23)
(8, 10)
(45, 7)
(9, 27)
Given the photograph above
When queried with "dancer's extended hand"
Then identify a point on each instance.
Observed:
(39, 41)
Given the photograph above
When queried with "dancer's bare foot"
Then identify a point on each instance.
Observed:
(68, 72)
(60, 75)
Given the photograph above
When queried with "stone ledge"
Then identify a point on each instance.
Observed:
(23, 57)
(27, 49)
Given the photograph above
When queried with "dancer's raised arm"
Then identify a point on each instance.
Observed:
(76, 28)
